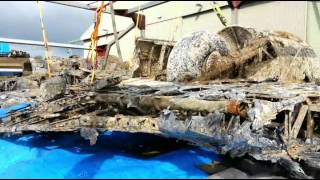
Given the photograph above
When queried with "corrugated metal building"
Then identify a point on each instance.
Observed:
(171, 20)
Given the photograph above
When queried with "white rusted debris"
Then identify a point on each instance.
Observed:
(224, 101)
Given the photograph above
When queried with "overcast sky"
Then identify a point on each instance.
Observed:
(20, 20)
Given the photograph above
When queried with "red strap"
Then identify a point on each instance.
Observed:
(236, 4)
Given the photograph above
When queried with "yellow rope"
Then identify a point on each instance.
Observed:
(45, 39)
(218, 11)
(94, 42)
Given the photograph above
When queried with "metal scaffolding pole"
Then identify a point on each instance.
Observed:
(40, 43)
(115, 33)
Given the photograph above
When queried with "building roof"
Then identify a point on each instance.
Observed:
(173, 10)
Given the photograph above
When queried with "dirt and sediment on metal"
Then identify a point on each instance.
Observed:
(240, 93)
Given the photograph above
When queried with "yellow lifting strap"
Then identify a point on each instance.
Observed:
(138, 21)
(217, 10)
(94, 42)
(45, 39)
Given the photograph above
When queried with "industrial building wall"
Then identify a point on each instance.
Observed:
(313, 25)
(276, 15)
(196, 16)
(174, 29)
(127, 44)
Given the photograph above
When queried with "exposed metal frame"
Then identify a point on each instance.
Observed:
(120, 34)
(121, 12)
(40, 43)
(73, 4)
(146, 6)
(115, 31)
(81, 6)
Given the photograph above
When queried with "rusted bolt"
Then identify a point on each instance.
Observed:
(234, 107)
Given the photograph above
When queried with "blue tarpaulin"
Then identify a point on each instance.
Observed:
(4, 48)
(5, 111)
(11, 74)
(70, 156)
(67, 155)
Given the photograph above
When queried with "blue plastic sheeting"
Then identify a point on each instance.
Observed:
(4, 48)
(19, 74)
(69, 156)
(5, 111)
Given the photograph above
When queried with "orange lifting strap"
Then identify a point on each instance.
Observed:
(94, 42)
(45, 40)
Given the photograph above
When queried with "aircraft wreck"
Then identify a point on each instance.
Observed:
(237, 92)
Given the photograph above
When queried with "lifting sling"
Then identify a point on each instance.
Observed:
(45, 40)
(94, 40)
(217, 10)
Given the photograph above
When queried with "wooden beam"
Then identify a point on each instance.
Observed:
(310, 127)
(161, 57)
(289, 124)
(150, 60)
(298, 123)
(286, 127)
